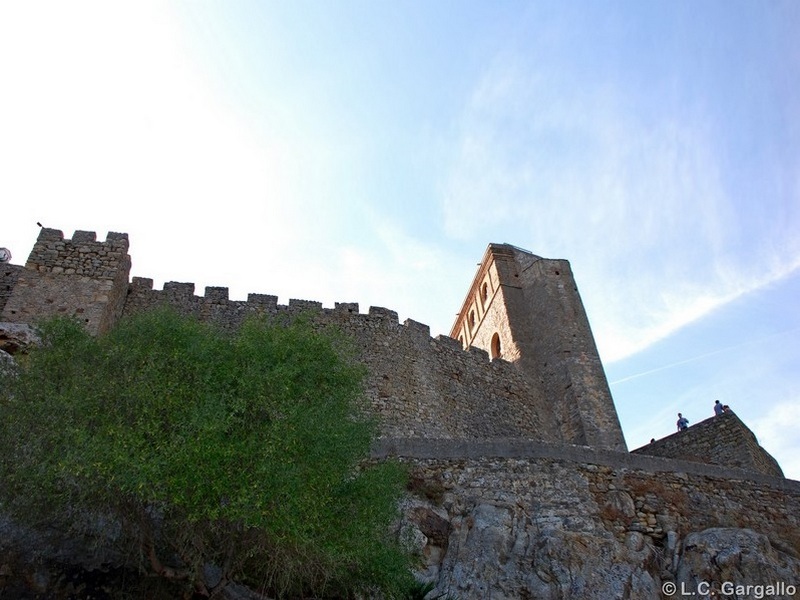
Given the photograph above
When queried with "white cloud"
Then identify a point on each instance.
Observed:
(641, 205)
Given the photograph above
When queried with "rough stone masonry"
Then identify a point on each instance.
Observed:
(522, 485)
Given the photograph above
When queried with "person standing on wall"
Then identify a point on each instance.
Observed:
(718, 408)
(683, 422)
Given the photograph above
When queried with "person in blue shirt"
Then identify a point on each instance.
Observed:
(718, 408)
(683, 422)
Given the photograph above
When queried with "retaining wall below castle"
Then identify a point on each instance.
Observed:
(537, 521)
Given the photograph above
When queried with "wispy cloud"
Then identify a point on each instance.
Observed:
(642, 201)
(700, 357)
(407, 274)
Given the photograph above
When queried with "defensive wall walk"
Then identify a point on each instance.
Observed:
(516, 448)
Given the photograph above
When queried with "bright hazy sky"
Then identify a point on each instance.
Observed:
(369, 151)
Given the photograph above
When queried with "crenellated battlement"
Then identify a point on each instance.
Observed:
(81, 255)
(525, 364)
(417, 385)
(78, 277)
(181, 296)
(515, 450)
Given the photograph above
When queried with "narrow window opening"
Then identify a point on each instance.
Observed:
(495, 346)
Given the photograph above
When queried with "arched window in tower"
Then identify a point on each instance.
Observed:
(471, 320)
(485, 291)
(495, 346)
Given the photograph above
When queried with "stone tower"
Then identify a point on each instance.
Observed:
(78, 277)
(526, 309)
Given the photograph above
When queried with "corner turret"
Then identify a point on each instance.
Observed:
(78, 277)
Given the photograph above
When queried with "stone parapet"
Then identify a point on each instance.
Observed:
(79, 277)
(720, 440)
(522, 448)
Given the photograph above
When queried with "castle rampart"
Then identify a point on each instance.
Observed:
(78, 277)
(530, 369)
(720, 440)
(527, 449)
(417, 385)
(520, 483)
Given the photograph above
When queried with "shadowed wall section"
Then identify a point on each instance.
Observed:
(529, 309)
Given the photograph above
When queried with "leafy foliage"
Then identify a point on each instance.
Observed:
(243, 450)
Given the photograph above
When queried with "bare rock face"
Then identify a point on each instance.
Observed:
(506, 530)
(6, 361)
(17, 337)
(719, 560)
(506, 539)
(498, 551)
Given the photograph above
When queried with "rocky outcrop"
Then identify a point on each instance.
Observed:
(537, 527)
(715, 562)
(550, 529)
(17, 337)
(540, 540)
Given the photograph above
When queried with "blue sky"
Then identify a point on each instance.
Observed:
(369, 151)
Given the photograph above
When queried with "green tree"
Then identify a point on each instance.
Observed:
(245, 451)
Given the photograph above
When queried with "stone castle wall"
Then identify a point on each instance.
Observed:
(415, 382)
(520, 484)
(720, 440)
(78, 277)
(417, 385)
(8, 280)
